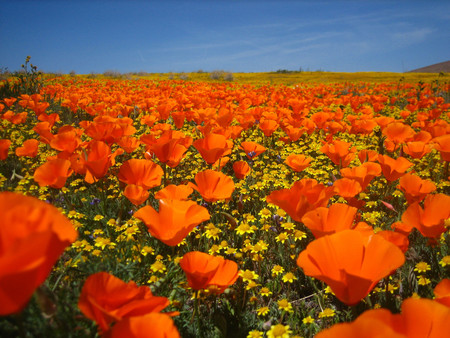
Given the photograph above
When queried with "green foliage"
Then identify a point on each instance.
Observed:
(26, 81)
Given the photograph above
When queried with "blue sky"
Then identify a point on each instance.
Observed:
(237, 36)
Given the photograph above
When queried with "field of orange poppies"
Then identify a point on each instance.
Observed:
(144, 208)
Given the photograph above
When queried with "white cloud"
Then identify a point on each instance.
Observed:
(412, 36)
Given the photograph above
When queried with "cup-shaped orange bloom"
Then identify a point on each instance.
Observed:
(417, 149)
(429, 220)
(298, 162)
(136, 194)
(53, 173)
(175, 192)
(171, 147)
(346, 187)
(424, 318)
(99, 159)
(220, 163)
(129, 143)
(377, 323)
(442, 292)
(402, 228)
(326, 221)
(442, 144)
(205, 271)
(350, 262)
(44, 131)
(152, 325)
(213, 147)
(252, 149)
(33, 234)
(213, 185)
(29, 148)
(241, 169)
(67, 139)
(393, 169)
(365, 155)
(398, 132)
(141, 172)
(268, 126)
(4, 148)
(303, 196)
(395, 237)
(109, 129)
(415, 188)
(364, 173)
(106, 299)
(418, 318)
(174, 221)
(340, 152)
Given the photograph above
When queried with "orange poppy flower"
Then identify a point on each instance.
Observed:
(268, 126)
(326, 221)
(170, 147)
(4, 148)
(44, 131)
(397, 238)
(205, 271)
(29, 148)
(98, 160)
(252, 149)
(365, 155)
(178, 118)
(33, 235)
(442, 144)
(346, 187)
(9, 101)
(152, 325)
(429, 220)
(175, 192)
(303, 196)
(128, 143)
(442, 292)
(107, 299)
(174, 221)
(241, 169)
(418, 318)
(393, 169)
(220, 163)
(415, 188)
(363, 174)
(402, 228)
(213, 147)
(213, 185)
(141, 172)
(67, 140)
(53, 173)
(350, 262)
(398, 132)
(108, 129)
(416, 149)
(298, 162)
(15, 118)
(424, 318)
(136, 194)
(293, 133)
(340, 153)
(370, 324)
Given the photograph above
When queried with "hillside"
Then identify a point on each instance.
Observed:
(442, 67)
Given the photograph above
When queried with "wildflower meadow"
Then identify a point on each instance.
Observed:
(166, 208)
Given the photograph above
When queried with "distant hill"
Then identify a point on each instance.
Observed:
(442, 67)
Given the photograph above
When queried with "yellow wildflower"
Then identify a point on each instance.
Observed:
(289, 277)
(327, 312)
(279, 331)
